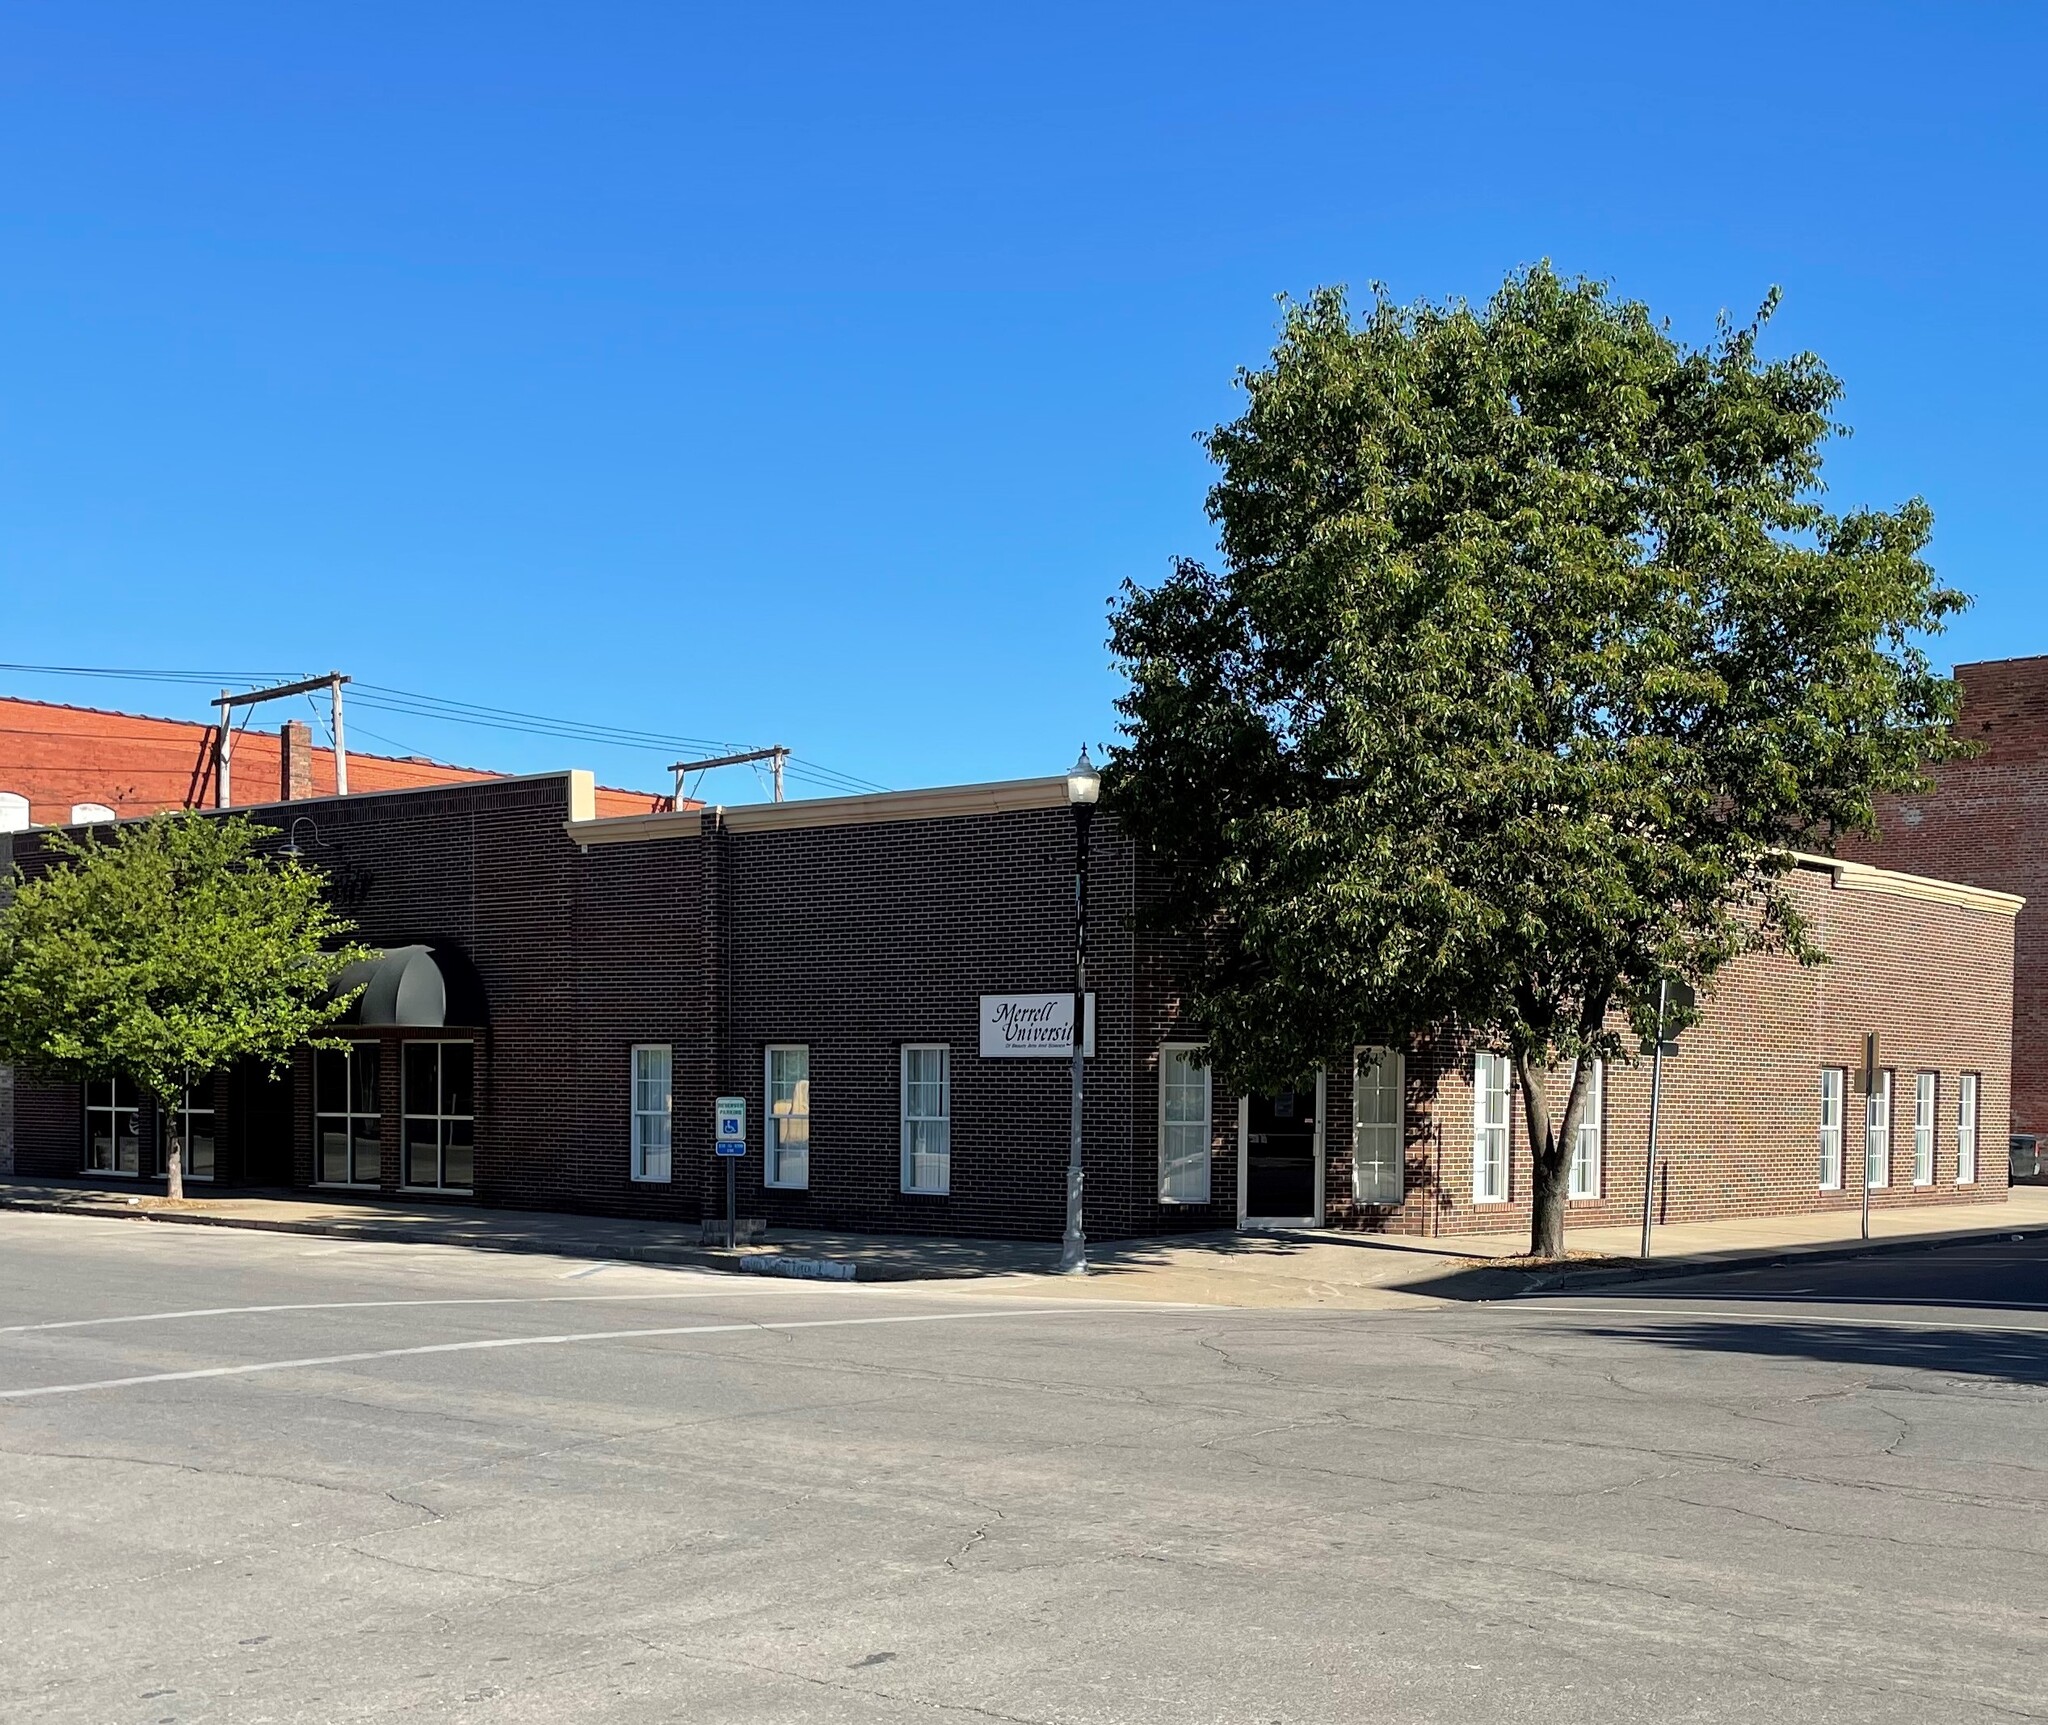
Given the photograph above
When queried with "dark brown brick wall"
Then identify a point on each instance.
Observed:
(857, 939)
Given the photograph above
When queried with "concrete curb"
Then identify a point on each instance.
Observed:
(1752, 1258)
(678, 1257)
(1527, 1284)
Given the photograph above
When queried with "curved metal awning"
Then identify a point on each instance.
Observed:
(422, 987)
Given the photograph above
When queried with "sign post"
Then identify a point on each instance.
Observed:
(730, 1142)
(1869, 1115)
(1672, 997)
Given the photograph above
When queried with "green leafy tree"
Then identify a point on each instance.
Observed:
(171, 952)
(1532, 653)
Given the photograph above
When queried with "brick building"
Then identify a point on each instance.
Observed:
(564, 993)
(1986, 822)
(60, 763)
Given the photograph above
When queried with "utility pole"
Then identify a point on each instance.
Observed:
(776, 754)
(223, 749)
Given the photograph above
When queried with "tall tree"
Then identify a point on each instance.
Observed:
(1533, 651)
(167, 955)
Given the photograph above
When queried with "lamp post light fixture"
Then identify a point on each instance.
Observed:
(291, 837)
(1084, 786)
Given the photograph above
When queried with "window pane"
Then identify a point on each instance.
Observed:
(422, 1149)
(459, 1157)
(199, 1143)
(422, 1078)
(363, 1098)
(127, 1143)
(368, 1142)
(330, 1081)
(458, 1079)
(332, 1136)
(99, 1146)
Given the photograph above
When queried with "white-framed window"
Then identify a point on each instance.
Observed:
(347, 1116)
(440, 1115)
(1489, 1127)
(1377, 1140)
(1184, 1124)
(1584, 1180)
(113, 1127)
(927, 1117)
(1834, 1085)
(653, 1107)
(1926, 1091)
(195, 1132)
(1877, 1132)
(1967, 1087)
(786, 1082)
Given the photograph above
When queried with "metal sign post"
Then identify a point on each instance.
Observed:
(1869, 1115)
(1671, 997)
(730, 1142)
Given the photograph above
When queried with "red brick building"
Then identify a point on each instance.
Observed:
(1986, 822)
(55, 760)
(583, 986)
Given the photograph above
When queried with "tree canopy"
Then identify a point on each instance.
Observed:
(1533, 651)
(167, 954)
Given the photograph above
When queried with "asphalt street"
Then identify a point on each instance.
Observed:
(252, 1477)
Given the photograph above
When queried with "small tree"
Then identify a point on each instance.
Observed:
(1532, 655)
(167, 954)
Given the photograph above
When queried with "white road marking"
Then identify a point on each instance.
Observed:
(733, 1286)
(525, 1342)
(1674, 1311)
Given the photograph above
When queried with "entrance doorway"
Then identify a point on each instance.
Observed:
(1280, 1159)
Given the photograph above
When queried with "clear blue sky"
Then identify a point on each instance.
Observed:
(814, 374)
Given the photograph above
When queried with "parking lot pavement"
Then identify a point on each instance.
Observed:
(255, 1477)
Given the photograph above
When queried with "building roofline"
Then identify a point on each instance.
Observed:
(581, 785)
(1004, 796)
(1865, 877)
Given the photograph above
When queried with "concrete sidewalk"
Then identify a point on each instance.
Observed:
(1310, 1268)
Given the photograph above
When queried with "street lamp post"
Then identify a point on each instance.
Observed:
(1084, 785)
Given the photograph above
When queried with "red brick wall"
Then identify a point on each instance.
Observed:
(1986, 822)
(1739, 1122)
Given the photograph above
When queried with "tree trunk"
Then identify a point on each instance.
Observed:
(1550, 1141)
(173, 1113)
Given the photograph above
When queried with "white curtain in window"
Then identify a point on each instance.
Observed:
(653, 1099)
(1489, 1128)
(1184, 1129)
(1877, 1133)
(1585, 1171)
(1832, 1084)
(927, 1119)
(1966, 1129)
(1925, 1090)
(1376, 1116)
(789, 1116)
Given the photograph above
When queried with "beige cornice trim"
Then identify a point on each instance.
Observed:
(1862, 877)
(947, 802)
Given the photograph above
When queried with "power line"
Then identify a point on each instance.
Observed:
(412, 702)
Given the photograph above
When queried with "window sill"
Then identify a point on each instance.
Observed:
(926, 1192)
(442, 1191)
(347, 1186)
(109, 1174)
(785, 1186)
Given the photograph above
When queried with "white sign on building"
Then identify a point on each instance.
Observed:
(1033, 1027)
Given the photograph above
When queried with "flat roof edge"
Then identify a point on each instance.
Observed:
(872, 808)
(1867, 877)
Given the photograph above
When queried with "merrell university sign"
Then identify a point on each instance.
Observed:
(1027, 1026)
